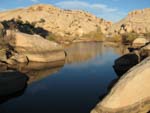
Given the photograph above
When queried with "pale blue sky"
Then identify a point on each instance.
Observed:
(112, 10)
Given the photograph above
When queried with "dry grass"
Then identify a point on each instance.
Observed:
(95, 35)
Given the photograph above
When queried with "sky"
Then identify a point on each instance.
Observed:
(112, 10)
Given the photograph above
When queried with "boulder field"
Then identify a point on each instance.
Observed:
(131, 94)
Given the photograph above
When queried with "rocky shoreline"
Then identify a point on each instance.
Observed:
(130, 94)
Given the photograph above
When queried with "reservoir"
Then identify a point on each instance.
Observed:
(74, 86)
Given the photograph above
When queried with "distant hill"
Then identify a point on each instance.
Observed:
(137, 21)
(66, 24)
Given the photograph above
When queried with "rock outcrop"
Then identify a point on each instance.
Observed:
(31, 48)
(139, 42)
(131, 94)
(66, 24)
(137, 21)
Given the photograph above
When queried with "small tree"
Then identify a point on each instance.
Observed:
(129, 37)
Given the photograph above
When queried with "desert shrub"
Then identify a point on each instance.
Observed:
(51, 37)
(25, 27)
(116, 38)
(98, 35)
(129, 37)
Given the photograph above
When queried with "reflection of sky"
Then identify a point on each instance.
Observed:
(76, 88)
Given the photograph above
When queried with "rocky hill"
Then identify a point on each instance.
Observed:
(136, 21)
(63, 23)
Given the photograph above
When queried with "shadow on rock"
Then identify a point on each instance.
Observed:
(12, 84)
(125, 62)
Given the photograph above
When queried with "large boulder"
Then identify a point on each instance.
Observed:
(33, 48)
(139, 42)
(131, 94)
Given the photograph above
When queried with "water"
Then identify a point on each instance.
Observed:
(75, 87)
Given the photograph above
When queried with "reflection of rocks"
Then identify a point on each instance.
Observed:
(121, 50)
(37, 71)
(80, 52)
(131, 94)
(12, 84)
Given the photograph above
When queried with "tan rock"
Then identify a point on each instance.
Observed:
(147, 48)
(135, 21)
(19, 58)
(139, 42)
(35, 48)
(122, 31)
(131, 94)
(57, 21)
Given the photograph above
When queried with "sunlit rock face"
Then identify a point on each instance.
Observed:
(131, 94)
(29, 48)
(138, 42)
(68, 24)
(136, 21)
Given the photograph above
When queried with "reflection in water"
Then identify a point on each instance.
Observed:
(79, 52)
(12, 84)
(121, 50)
(73, 89)
(37, 71)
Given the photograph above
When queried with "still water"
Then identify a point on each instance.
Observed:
(73, 86)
